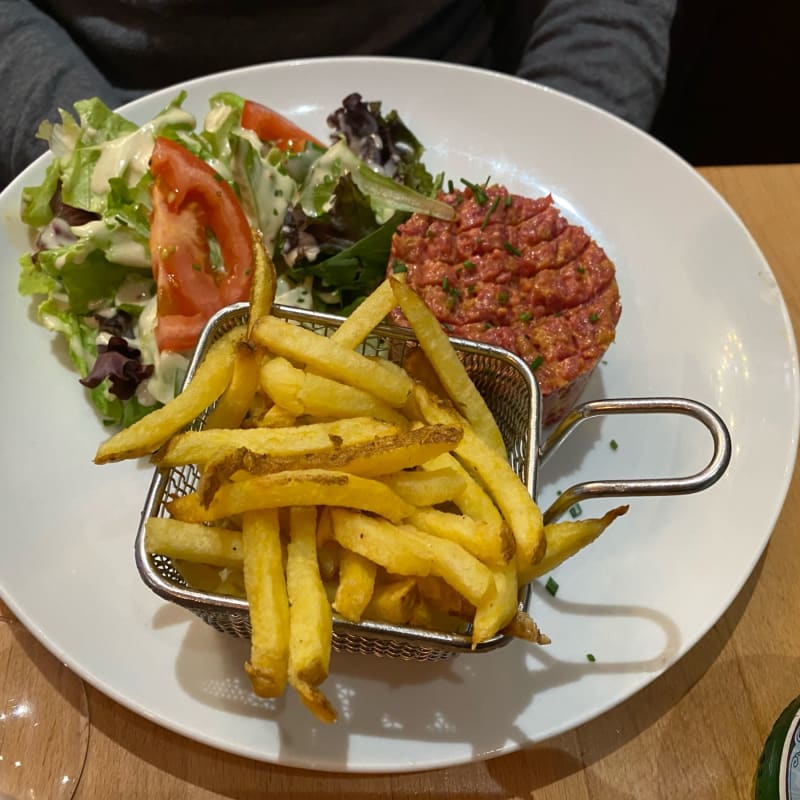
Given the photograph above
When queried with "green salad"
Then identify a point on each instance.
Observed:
(142, 232)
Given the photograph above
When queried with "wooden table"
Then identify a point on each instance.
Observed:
(696, 732)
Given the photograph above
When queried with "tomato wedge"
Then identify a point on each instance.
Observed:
(270, 126)
(189, 200)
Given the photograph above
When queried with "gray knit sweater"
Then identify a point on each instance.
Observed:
(612, 53)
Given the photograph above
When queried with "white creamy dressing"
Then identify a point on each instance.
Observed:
(129, 155)
(118, 242)
(135, 291)
(297, 295)
(169, 368)
(57, 233)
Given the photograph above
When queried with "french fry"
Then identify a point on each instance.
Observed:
(331, 359)
(565, 539)
(406, 551)
(302, 392)
(523, 627)
(202, 447)
(262, 288)
(236, 400)
(472, 500)
(427, 487)
(202, 577)
(329, 554)
(417, 365)
(186, 541)
(508, 492)
(281, 382)
(265, 585)
(277, 417)
(447, 365)
(393, 602)
(497, 612)
(310, 615)
(308, 487)
(382, 455)
(483, 541)
(443, 599)
(149, 433)
(356, 584)
(370, 313)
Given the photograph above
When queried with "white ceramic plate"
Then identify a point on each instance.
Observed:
(702, 317)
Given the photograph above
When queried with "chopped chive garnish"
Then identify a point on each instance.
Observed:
(450, 187)
(551, 586)
(525, 316)
(445, 283)
(487, 325)
(490, 212)
(469, 265)
(575, 511)
(580, 270)
(537, 362)
(593, 317)
(447, 327)
(508, 201)
(472, 289)
(613, 444)
(398, 266)
(511, 249)
(502, 297)
(590, 657)
(477, 191)
(197, 268)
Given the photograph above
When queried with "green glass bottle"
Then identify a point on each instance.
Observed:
(778, 774)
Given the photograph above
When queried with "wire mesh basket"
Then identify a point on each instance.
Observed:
(509, 389)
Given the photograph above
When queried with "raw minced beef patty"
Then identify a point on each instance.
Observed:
(512, 271)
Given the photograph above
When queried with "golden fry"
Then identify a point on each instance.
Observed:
(186, 541)
(370, 313)
(564, 539)
(331, 359)
(393, 602)
(201, 447)
(508, 492)
(262, 288)
(356, 584)
(449, 369)
(523, 627)
(265, 585)
(382, 455)
(235, 402)
(149, 433)
(426, 487)
(472, 500)
(310, 615)
(483, 541)
(309, 487)
(407, 551)
(493, 615)
(301, 392)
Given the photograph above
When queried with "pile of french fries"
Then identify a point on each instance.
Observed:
(336, 483)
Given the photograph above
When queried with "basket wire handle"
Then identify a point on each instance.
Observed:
(701, 480)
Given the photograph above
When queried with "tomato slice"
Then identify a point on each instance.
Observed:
(270, 126)
(189, 199)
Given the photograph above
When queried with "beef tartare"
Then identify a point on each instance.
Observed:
(512, 271)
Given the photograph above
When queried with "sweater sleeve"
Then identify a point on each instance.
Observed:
(611, 53)
(41, 70)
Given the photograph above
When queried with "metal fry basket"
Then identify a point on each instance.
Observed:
(511, 392)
